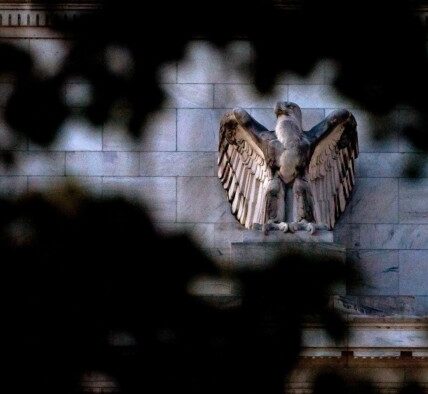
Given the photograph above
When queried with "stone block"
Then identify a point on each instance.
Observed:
(36, 163)
(414, 272)
(348, 235)
(178, 164)
(158, 194)
(49, 54)
(393, 236)
(246, 96)
(317, 338)
(267, 117)
(248, 254)
(316, 96)
(279, 236)
(201, 233)
(379, 270)
(385, 337)
(75, 135)
(413, 201)
(50, 184)
(374, 200)
(387, 305)
(12, 186)
(189, 95)
(159, 134)
(414, 165)
(204, 63)
(198, 129)
(77, 94)
(255, 254)
(202, 199)
(421, 306)
(380, 165)
(168, 73)
(102, 163)
(226, 233)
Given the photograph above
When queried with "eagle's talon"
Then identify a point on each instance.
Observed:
(283, 226)
(311, 228)
(293, 227)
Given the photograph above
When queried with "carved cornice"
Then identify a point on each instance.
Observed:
(393, 339)
(38, 14)
(15, 15)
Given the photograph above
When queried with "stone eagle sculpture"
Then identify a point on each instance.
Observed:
(259, 168)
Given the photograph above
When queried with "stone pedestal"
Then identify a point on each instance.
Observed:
(258, 249)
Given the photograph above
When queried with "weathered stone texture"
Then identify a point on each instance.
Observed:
(189, 95)
(379, 270)
(172, 169)
(414, 201)
(202, 199)
(413, 272)
(375, 200)
(178, 163)
(197, 129)
(246, 96)
(159, 134)
(102, 163)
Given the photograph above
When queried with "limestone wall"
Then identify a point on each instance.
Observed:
(173, 170)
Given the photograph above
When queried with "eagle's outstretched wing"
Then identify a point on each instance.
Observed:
(244, 168)
(331, 170)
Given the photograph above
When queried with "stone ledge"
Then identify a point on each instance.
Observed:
(258, 249)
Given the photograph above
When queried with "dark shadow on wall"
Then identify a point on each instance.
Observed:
(90, 284)
(92, 288)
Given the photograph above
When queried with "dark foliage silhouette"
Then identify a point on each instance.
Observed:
(82, 272)
(378, 46)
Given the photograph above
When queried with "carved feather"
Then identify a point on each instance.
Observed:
(331, 169)
(243, 169)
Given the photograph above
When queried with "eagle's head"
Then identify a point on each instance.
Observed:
(287, 108)
(290, 110)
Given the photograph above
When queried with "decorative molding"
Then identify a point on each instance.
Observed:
(395, 339)
(37, 14)
(19, 15)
